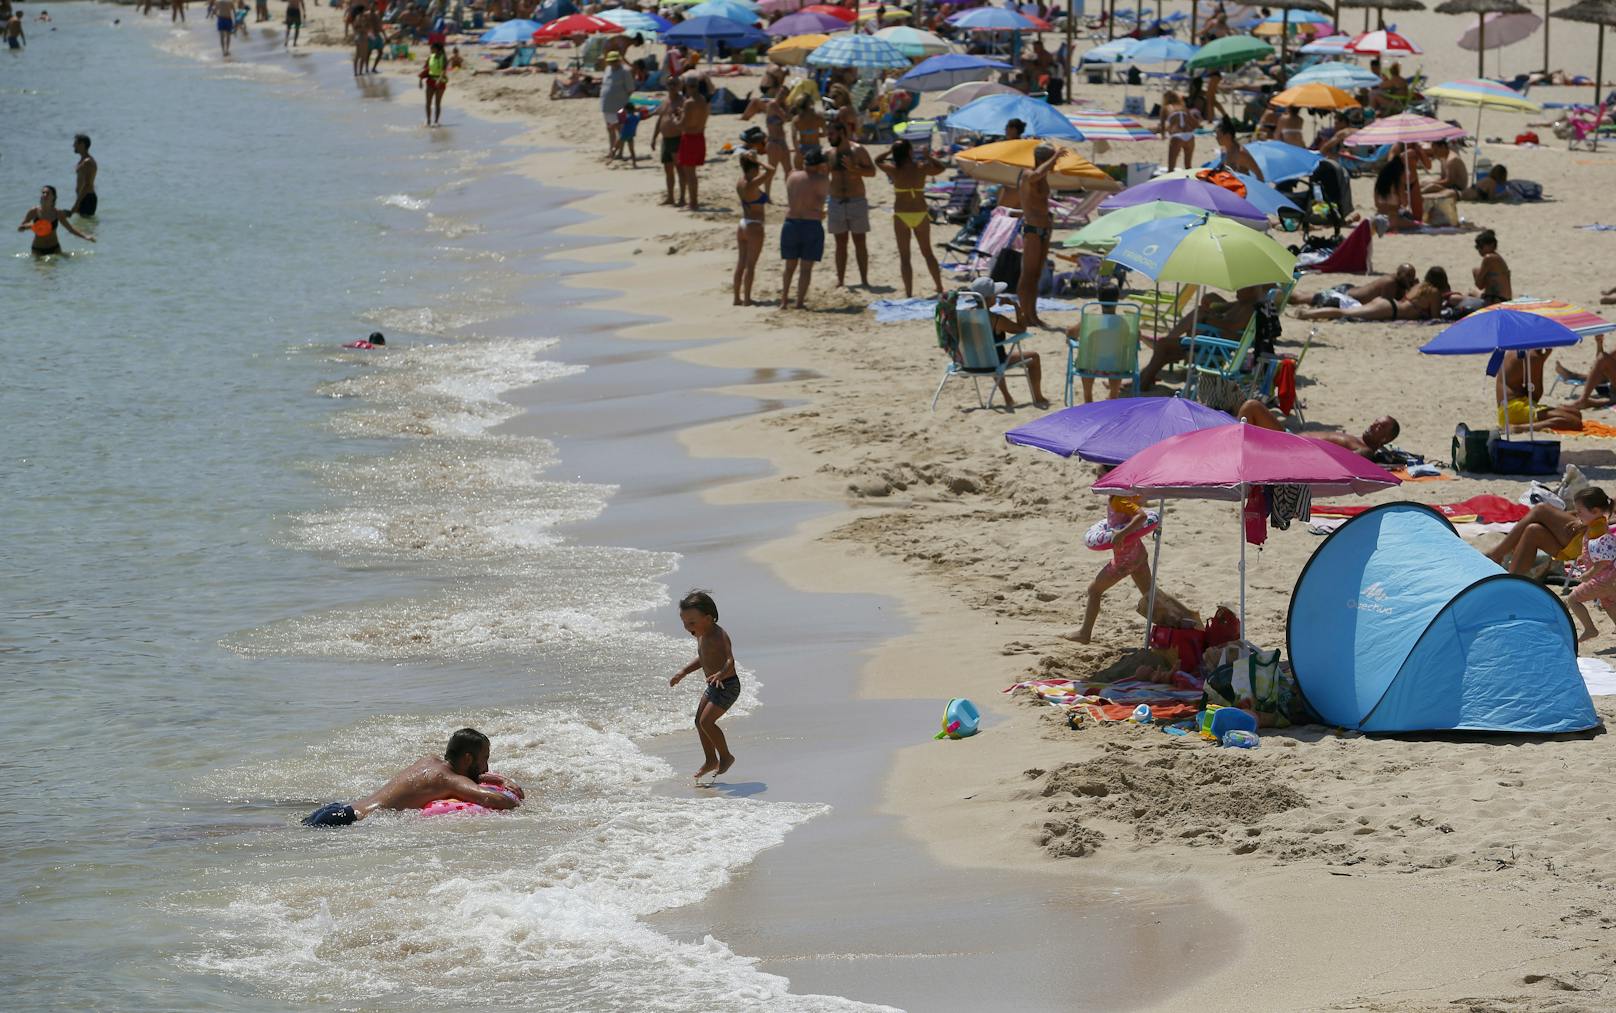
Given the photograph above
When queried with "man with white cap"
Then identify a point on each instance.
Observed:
(615, 88)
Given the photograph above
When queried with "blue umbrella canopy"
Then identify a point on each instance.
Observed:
(1110, 432)
(865, 52)
(1114, 51)
(1500, 331)
(1263, 196)
(990, 19)
(703, 32)
(723, 9)
(989, 114)
(509, 32)
(636, 21)
(1161, 49)
(944, 71)
(1346, 76)
(1280, 161)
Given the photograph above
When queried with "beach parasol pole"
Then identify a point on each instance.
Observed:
(1071, 44)
(1155, 566)
(1546, 45)
(1481, 49)
(1240, 515)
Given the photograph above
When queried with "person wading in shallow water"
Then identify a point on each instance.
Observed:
(461, 774)
(44, 221)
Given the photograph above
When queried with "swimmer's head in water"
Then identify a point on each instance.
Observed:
(698, 612)
(467, 753)
(376, 338)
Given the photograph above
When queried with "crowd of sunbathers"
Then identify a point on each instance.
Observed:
(1404, 295)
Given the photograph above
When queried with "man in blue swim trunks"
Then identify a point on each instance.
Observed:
(461, 773)
(225, 19)
(802, 237)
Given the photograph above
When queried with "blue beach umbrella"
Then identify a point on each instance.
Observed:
(1498, 331)
(1280, 161)
(636, 21)
(1346, 76)
(989, 114)
(866, 52)
(723, 9)
(702, 33)
(1161, 49)
(508, 33)
(1205, 250)
(1263, 196)
(939, 73)
(1295, 18)
(990, 19)
(1114, 51)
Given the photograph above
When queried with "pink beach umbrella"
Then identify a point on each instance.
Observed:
(1499, 30)
(1225, 463)
(1382, 43)
(1405, 128)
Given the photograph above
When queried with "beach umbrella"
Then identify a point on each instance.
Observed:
(805, 23)
(1580, 321)
(636, 21)
(794, 52)
(1499, 30)
(1114, 51)
(704, 32)
(991, 19)
(1004, 161)
(574, 24)
(1203, 249)
(1380, 7)
(1481, 8)
(1405, 128)
(1280, 161)
(1288, 9)
(1330, 45)
(1193, 192)
(1483, 94)
(1382, 43)
(1498, 332)
(1310, 22)
(1226, 462)
(866, 52)
(1101, 234)
(509, 33)
(989, 114)
(845, 13)
(1161, 49)
(1346, 76)
(1261, 195)
(969, 91)
(915, 43)
(779, 6)
(1592, 12)
(1229, 51)
(1315, 96)
(1095, 126)
(948, 71)
(724, 9)
(1110, 432)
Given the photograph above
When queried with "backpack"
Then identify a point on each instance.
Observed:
(1470, 450)
(946, 320)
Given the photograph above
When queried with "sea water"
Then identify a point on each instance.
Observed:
(248, 572)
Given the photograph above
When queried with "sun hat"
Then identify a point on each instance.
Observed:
(987, 288)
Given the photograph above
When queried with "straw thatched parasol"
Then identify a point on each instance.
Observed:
(1482, 8)
(1593, 12)
(1380, 7)
(1316, 6)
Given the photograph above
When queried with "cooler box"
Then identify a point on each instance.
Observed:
(1525, 457)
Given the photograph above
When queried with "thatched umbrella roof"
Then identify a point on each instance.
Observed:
(1593, 12)
(1482, 8)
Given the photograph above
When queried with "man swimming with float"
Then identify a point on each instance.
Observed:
(44, 220)
(461, 774)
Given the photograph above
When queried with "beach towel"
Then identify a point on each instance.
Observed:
(1590, 428)
(892, 311)
(1598, 227)
(1480, 509)
(1599, 677)
(1403, 473)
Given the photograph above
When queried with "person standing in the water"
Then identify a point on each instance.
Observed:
(85, 201)
(44, 221)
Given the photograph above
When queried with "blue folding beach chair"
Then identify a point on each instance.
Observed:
(966, 334)
(1106, 346)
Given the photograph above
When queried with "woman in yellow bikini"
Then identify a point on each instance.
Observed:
(909, 214)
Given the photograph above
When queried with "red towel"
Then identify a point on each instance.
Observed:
(1485, 509)
(1285, 385)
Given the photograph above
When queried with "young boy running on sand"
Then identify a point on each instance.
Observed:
(716, 659)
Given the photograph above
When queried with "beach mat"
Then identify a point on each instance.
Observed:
(1598, 676)
(1476, 509)
(892, 311)
(1591, 428)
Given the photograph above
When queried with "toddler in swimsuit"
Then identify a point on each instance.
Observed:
(1597, 567)
(1123, 532)
(715, 657)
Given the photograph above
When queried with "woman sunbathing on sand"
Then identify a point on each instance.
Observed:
(1423, 302)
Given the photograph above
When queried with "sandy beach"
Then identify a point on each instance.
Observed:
(1346, 871)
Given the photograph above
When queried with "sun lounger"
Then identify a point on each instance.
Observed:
(960, 200)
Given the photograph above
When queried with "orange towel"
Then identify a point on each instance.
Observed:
(1403, 474)
(1592, 428)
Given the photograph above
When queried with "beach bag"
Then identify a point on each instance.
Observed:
(1246, 677)
(1525, 190)
(960, 719)
(1529, 137)
(1224, 178)
(1188, 644)
(1442, 211)
(1223, 627)
(1470, 450)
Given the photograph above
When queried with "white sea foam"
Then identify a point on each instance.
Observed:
(405, 201)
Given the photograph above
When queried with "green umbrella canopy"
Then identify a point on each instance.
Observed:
(1229, 51)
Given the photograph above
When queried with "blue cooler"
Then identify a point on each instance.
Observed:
(1525, 457)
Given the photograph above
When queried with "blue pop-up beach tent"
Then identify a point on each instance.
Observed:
(1397, 625)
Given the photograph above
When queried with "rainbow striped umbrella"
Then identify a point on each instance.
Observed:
(1567, 314)
(1109, 127)
(1478, 91)
(1404, 128)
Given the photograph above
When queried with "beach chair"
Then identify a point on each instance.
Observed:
(957, 202)
(1351, 256)
(1364, 165)
(965, 332)
(1585, 122)
(1216, 358)
(1106, 346)
(1161, 310)
(1071, 212)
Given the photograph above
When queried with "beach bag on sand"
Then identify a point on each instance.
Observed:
(1188, 644)
(1223, 627)
(1470, 450)
(1253, 680)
